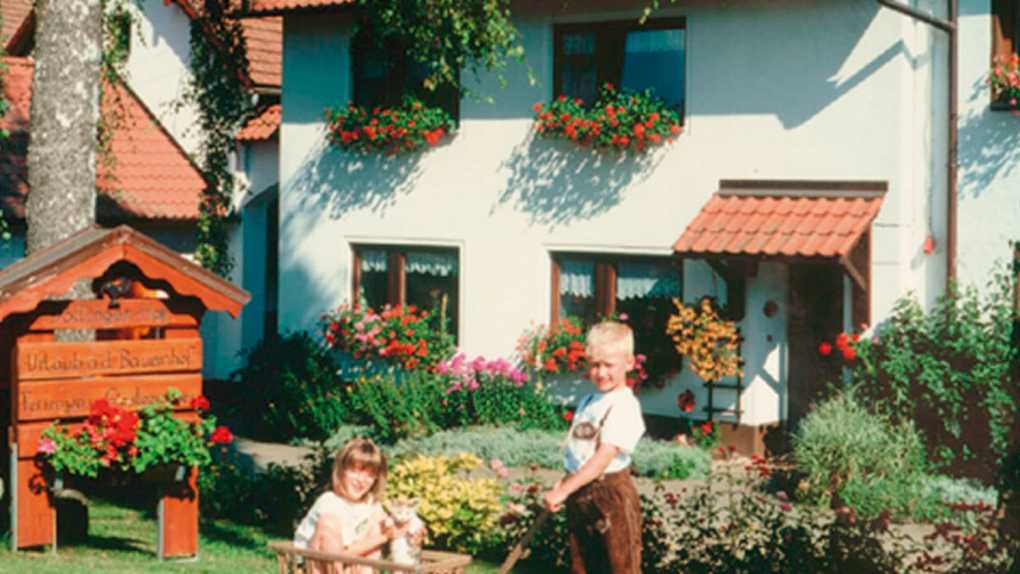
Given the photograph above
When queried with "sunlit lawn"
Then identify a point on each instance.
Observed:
(122, 539)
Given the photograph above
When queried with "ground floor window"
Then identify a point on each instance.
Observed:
(426, 277)
(638, 289)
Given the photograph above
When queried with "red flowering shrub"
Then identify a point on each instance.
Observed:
(558, 348)
(620, 119)
(115, 438)
(405, 128)
(844, 343)
(401, 335)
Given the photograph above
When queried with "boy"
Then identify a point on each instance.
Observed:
(603, 507)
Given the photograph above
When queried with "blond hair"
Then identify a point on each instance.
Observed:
(610, 335)
(360, 453)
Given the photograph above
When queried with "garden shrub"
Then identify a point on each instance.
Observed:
(288, 389)
(847, 452)
(482, 392)
(461, 512)
(667, 460)
(399, 404)
(952, 371)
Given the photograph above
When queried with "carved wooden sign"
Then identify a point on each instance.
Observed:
(99, 313)
(44, 400)
(35, 361)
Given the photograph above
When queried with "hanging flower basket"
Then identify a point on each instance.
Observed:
(620, 120)
(710, 343)
(408, 127)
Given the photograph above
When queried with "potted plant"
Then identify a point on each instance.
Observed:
(618, 119)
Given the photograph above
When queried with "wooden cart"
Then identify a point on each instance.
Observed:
(431, 560)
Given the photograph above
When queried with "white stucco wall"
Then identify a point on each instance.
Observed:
(158, 68)
(989, 180)
(790, 90)
(260, 168)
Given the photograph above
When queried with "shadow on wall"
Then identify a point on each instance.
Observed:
(335, 183)
(557, 183)
(989, 145)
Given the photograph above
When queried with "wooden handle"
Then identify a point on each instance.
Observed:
(525, 540)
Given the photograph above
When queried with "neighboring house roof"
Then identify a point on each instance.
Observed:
(14, 14)
(149, 177)
(263, 126)
(264, 38)
(263, 7)
(783, 219)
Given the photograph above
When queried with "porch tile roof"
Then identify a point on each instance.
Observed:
(150, 177)
(263, 126)
(277, 6)
(788, 219)
(264, 38)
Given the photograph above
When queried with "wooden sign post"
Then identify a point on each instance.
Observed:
(144, 347)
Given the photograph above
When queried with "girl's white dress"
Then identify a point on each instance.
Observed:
(355, 518)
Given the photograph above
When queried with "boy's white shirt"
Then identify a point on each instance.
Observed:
(355, 517)
(622, 428)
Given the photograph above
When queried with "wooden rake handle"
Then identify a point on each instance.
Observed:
(522, 544)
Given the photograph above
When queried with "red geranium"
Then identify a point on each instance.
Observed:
(685, 401)
(200, 403)
(222, 435)
(825, 349)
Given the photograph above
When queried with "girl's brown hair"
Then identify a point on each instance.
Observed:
(360, 453)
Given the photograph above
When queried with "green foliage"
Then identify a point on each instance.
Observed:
(391, 130)
(460, 510)
(289, 389)
(398, 404)
(162, 438)
(447, 35)
(666, 460)
(619, 119)
(859, 457)
(952, 371)
(219, 62)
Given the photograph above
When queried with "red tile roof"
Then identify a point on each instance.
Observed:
(264, 39)
(792, 219)
(279, 6)
(150, 176)
(262, 127)
(13, 13)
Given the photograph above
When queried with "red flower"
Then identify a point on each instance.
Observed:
(842, 340)
(550, 365)
(432, 137)
(222, 435)
(200, 403)
(707, 427)
(825, 349)
(537, 107)
(675, 129)
(568, 416)
(685, 401)
(849, 353)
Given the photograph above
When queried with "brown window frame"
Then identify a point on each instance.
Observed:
(605, 277)
(1004, 38)
(609, 51)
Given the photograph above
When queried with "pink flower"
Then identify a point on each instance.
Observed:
(47, 446)
(624, 316)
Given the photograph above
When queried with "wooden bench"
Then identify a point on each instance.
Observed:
(431, 560)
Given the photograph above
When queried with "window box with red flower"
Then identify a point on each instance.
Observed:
(143, 442)
(619, 119)
(400, 335)
(1004, 78)
(407, 127)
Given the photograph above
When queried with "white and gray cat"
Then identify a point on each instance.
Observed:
(406, 549)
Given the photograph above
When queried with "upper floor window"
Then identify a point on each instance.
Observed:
(382, 75)
(425, 277)
(625, 54)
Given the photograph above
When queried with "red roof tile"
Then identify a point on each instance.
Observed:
(150, 176)
(278, 6)
(13, 13)
(262, 127)
(800, 219)
(264, 39)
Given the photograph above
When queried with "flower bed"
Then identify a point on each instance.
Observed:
(619, 119)
(400, 335)
(407, 127)
(120, 439)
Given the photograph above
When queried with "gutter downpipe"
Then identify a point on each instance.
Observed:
(949, 26)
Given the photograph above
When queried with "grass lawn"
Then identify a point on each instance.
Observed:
(122, 539)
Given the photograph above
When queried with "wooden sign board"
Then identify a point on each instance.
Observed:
(37, 361)
(97, 313)
(44, 400)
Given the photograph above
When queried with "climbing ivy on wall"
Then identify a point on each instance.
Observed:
(219, 63)
(5, 229)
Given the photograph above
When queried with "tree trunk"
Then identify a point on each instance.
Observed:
(64, 118)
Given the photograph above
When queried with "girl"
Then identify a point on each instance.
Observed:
(348, 518)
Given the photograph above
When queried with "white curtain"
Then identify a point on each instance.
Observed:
(654, 41)
(577, 278)
(646, 280)
(431, 263)
(373, 260)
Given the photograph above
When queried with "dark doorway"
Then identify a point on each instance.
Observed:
(816, 315)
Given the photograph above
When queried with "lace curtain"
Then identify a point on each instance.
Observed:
(646, 280)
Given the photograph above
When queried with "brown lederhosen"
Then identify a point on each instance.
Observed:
(604, 522)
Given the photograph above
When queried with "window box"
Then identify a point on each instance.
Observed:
(389, 130)
(1004, 55)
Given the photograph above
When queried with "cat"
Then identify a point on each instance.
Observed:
(406, 550)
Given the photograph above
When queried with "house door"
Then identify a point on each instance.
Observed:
(815, 315)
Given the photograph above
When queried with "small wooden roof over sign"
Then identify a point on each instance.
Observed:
(88, 254)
